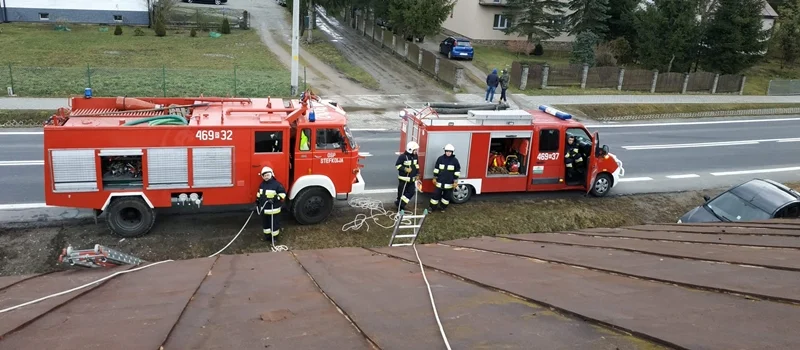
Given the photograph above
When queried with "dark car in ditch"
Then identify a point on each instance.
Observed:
(756, 199)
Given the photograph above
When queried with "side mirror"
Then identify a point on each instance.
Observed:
(706, 197)
(605, 149)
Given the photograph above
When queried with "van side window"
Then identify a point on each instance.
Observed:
(305, 139)
(268, 141)
(549, 140)
(329, 139)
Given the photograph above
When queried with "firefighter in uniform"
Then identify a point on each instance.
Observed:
(407, 165)
(446, 172)
(573, 157)
(269, 200)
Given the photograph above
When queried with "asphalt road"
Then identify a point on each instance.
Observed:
(657, 157)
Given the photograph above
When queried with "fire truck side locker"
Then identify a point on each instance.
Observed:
(462, 141)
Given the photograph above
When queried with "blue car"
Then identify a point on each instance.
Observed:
(456, 47)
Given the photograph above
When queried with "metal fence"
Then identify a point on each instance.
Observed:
(783, 87)
(163, 81)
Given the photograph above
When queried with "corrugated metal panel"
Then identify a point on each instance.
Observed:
(168, 167)
(74, 170)
(212, 166)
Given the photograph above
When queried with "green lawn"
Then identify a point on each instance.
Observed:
(325, 51)
(610, 112)
(43, 62)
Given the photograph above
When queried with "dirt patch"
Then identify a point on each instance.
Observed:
(35, 250)
(653, 111)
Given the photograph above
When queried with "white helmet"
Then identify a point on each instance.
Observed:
(265, 169)
(411, 147)
(449, 147)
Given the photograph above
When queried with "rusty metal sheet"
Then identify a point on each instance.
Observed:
(387, 298)
(779, 285)
(679, 316)
(765, 257)
(132, 311)
(735, 230)
(7, 281)
(745, 240)
(260, 301)
(41, 286)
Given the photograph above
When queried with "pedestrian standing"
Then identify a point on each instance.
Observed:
(269, 200)
(504, 79)
(446, 172)
(491, 85)
(407, 165)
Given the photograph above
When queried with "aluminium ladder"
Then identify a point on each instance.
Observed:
(415, 226)
(100, 256)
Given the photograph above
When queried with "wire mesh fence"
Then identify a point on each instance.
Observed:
(163, 81)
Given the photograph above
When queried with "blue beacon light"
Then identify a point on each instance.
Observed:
(554, 112)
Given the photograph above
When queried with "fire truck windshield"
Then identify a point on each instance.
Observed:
(350, 138)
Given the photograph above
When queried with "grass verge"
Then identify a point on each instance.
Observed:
(10, 118)
(41, 62)
(193, 236)
(614, 111)
(325, 51)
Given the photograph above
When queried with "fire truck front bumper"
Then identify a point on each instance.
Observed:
(617, 174)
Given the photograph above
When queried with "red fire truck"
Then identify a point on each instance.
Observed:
(508, 150)
(128, 156)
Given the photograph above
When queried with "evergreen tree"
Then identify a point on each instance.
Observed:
(620, 19)
(583, 48)
(419, 17)
(588, 16)
(734, 38)
(667, 33)
(536, 20)
(788, 32)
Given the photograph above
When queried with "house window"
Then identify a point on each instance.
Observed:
(44, 16)
(500, 22)
(117, 18)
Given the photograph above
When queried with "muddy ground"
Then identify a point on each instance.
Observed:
(27, 250)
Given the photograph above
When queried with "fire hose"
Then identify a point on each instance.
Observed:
(273, 248)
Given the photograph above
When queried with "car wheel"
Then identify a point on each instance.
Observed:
(218, 2)
(462, 193)
(601, 185)
(450, 55)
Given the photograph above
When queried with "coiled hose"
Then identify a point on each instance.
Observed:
(170, 119)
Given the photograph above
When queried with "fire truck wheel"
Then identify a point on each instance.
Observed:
(312, 206)
(601, 185)
(462, 193)
(130, 217)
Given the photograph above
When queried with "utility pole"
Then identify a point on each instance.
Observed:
(295, 45)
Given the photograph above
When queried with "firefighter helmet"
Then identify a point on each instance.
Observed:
(411, 147)
(449, 147)
(264, 170)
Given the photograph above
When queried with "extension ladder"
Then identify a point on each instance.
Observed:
(415, 226)
(100, 256)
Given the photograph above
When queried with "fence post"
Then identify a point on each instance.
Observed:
(545, 73)
(11, 77)
(523, 80)
(88, 76)
(436, 69)
(419, 58)
(685, 82)
(741, 87)
(584, 75)
(235, 81)
(716, 81)
(459, 79)
(164, 79)
(620, 79)
(655, 80)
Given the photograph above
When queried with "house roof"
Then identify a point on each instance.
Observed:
(768, 11)
(683, 285)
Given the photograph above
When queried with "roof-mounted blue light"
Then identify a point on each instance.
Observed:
(554, 112)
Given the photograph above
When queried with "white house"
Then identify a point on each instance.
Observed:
(130, 12)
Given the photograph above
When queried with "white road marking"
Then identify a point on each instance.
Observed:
(21, 132)
(635, 179)
(380, 190)
(622, 125)
(21, 162)
(23, 206)
(682, 176)
(368, 129)
(706, 144)
(365, 154)
(756, 171)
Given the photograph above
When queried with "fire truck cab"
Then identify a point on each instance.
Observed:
(509, 151)
(128, 156)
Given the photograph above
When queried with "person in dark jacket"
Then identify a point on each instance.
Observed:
(446, 172)
(269, 200)
(504, 79)
(491, 85)
(573, 158)
(407, 165)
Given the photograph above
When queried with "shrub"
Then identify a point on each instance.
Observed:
(160, 28)
(138, 32)
(621, 49)
(193, 33)
(118, 30)
(538, 50)
(226, 26)
(519, 46)
(604, 56)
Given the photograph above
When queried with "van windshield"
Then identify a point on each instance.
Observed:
(350, 138)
